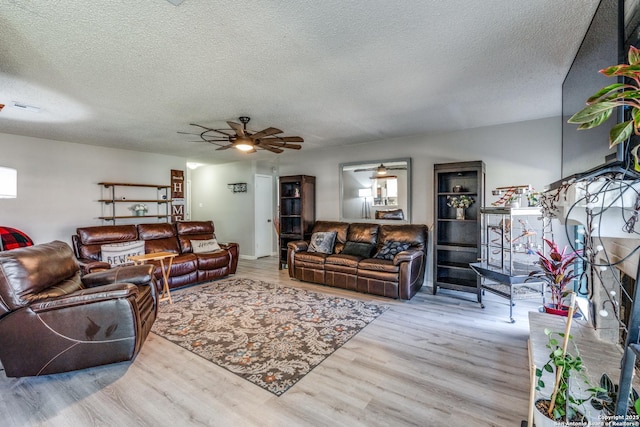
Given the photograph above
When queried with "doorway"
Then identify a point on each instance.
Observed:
(263, 203)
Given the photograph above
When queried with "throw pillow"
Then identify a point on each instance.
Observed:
(391, 249)
(201, 246)
(363, 250)
(322, 242)
(118, 253)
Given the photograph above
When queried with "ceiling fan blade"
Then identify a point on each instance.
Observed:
(224, 147)
(284, 139)
(272, 149)
(365, 170)
(280, 144)
(266, 132)
(236, 127)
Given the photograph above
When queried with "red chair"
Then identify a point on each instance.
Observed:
(11, 238)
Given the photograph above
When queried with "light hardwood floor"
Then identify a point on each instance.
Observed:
(432, 361)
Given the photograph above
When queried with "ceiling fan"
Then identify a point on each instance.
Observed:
(238, 136)
(382, 169)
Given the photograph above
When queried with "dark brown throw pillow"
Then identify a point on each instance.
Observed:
(363, 250)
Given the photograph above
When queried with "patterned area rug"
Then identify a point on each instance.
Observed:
(268, 334)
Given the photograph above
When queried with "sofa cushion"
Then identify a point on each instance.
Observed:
(342, 259)
(119, 253)
(311, 257)
(390, 214)
(203, 246)
(159, 237)
(363, 233)
(414, 234)
(32, 270)
(193, 230)
(376, 264)
(322, 242)
(88, 240)
(362, 250)
(390, 249)
(213, 260)
(341, 229)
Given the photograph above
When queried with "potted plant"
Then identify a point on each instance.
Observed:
(557, 272)
(533, 198)
(605, 400)
(600, 106)
(562, 407)
(140, 209)
(460, 203)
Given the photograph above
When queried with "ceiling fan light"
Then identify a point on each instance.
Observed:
(243, 146)
(381, 170)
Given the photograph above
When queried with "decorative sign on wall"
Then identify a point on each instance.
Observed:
(177, 195)
(177, 184)
(238, 187)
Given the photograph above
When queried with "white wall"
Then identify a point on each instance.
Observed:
(514, 154)
(232, 213)
(57, 182)
(57, 189)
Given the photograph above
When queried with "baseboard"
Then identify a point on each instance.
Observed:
(251, 257)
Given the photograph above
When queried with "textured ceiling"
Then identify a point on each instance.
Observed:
(131, 74)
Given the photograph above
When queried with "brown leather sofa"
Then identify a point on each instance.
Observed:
(399, 277)
(188, 267)
(53, 320)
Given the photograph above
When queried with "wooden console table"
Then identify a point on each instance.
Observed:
(159, 256)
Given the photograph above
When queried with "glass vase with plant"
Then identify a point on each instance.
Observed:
(459, 201)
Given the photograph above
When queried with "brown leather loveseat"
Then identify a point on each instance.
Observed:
(381, 259)
(53, 320)
(188, 267)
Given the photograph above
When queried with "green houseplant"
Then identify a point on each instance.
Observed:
(557, 272)
(605, 399)
(563, 405)
(600, 106)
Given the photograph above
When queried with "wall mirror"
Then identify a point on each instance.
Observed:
(376, 190)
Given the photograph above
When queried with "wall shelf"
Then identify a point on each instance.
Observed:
(131, 193)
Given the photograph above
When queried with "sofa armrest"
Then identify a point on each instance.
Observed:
(135, 274)
(88, 296)
(298, 246)
(88, 265)
(234, 253)
(407, 256)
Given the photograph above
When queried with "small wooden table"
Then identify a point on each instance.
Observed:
(159, 256)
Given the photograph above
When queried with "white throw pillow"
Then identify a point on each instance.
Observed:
(118, 253)
(201, 246)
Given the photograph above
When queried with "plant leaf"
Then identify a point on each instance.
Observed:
(620, 133)
(634, 55)
(593, 113)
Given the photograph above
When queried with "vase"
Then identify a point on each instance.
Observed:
(459, 213)
(541, 420)
(559, 310)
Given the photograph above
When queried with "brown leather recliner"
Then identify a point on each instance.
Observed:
(53, 320)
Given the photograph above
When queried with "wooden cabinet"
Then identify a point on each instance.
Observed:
(297, 204)
(119, 200)
(457, 241)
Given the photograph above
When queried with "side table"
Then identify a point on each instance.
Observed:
(159, 256)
